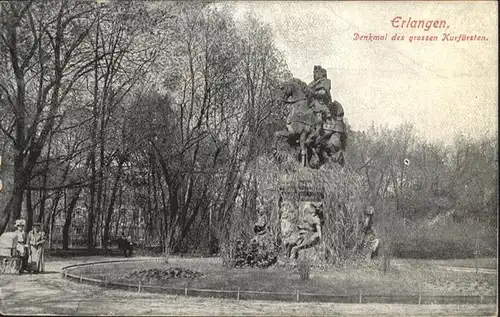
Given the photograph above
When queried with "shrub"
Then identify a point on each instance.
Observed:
(253, 254)
(446, 241)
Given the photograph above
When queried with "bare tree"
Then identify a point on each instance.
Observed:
(47, 57)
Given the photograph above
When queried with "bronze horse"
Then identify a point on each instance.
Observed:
(301, 121)
(314, 131)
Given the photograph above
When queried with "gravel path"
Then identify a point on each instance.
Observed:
(49, 293)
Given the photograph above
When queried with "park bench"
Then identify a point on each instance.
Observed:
(10, 259)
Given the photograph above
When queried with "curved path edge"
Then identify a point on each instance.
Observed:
(259, 295)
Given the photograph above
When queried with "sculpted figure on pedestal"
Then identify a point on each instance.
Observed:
(308, 231)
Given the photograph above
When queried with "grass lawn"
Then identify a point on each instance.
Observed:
(51, 294)
(403, 278)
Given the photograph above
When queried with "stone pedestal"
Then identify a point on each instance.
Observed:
(300, 211)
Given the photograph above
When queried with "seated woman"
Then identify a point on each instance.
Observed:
(36, 239)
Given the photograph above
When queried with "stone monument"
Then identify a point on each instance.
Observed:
(291, 202)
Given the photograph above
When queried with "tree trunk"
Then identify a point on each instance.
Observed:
(41, 214)
(55, 203)
(120, 199)
(165, 219)
(69, 217)
(43, 191)
(29, 210)
(12, 210)
(51, 228)
(112, 202)
(173, 200)
(95, 113)
(92, 192)
(190, 220)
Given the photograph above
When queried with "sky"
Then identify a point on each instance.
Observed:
(443, 88)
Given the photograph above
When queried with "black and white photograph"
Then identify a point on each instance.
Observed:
(248, 158)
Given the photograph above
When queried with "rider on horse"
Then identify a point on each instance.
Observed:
(314, 120)
(323, 103)
(329, 110)
(320, 89)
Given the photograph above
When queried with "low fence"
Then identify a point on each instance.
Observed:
(238, 294)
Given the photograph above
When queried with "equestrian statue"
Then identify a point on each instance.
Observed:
(315, 122)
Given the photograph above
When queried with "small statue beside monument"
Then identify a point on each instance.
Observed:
(370, 243)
